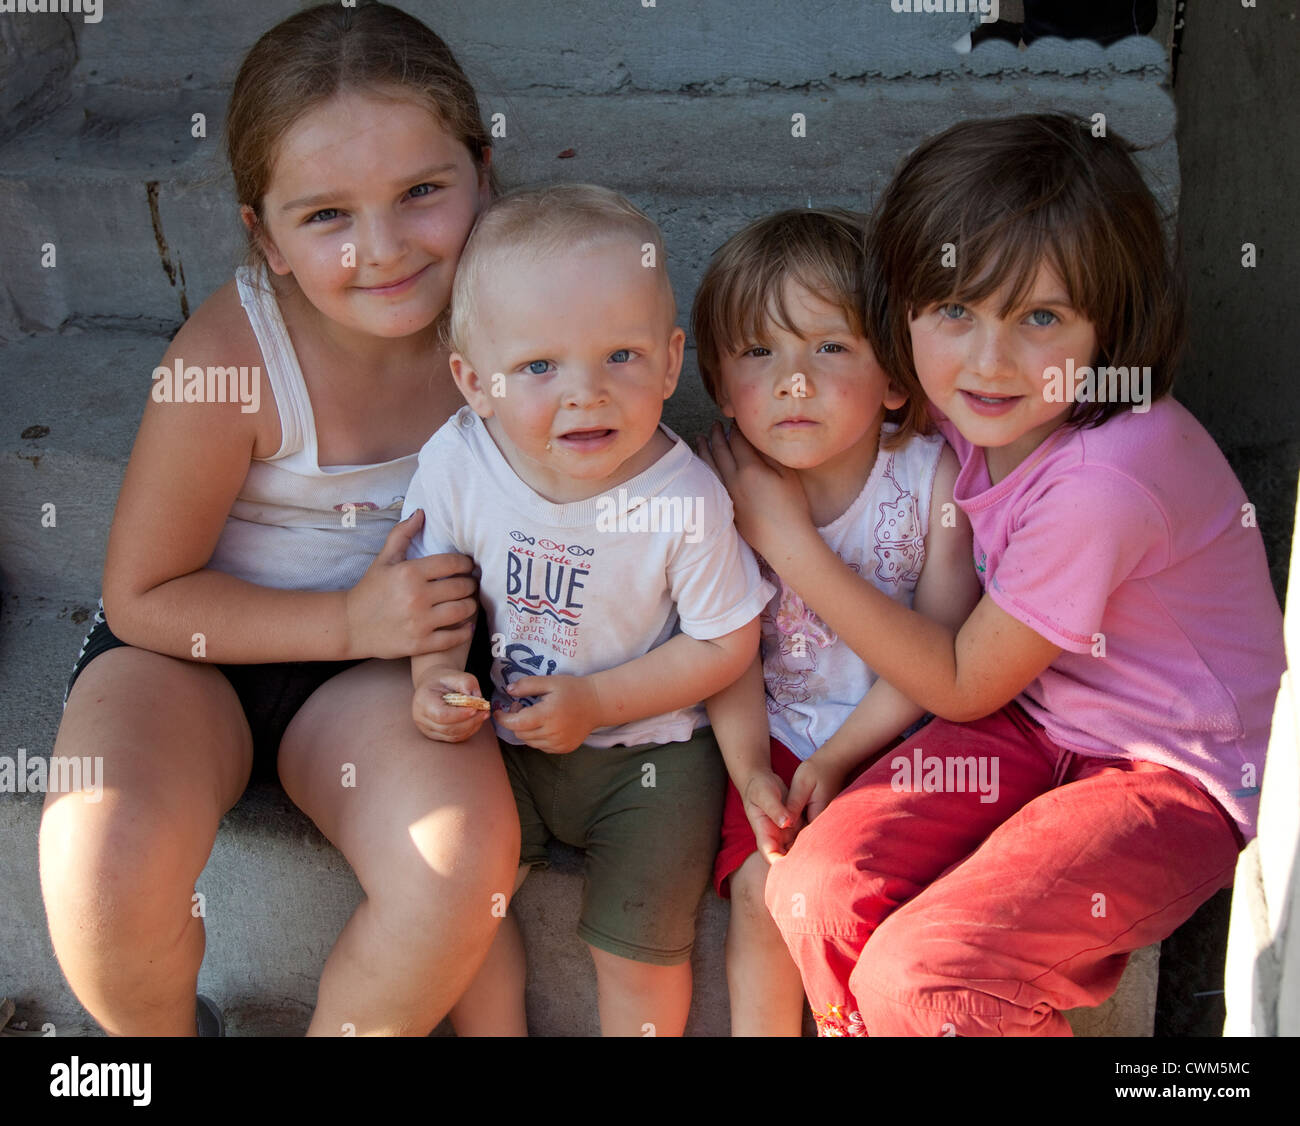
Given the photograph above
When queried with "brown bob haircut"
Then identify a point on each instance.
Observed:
(824, 250)
(1009, 194)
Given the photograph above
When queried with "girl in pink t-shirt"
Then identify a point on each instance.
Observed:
(1104, 711)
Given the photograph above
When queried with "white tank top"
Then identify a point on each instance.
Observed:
(813, 680)
(294, 525)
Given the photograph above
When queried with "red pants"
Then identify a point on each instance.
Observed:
(915, 909)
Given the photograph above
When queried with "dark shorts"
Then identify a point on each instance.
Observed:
(270, 694)
(647, 817)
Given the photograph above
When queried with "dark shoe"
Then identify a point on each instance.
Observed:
(208, 1017)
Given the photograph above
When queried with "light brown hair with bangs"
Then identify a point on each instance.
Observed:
(307, 59)
(1011, 194)
(823, 249)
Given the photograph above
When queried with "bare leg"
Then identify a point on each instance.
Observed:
(638, 999)
(118, 875)
(431, 832)
(762, 979)
(493, 1005)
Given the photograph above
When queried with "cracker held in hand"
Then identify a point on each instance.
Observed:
(460, 700)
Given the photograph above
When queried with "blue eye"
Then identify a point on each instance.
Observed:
(328, 212)
(622, 356)
(415, 191)
(1053, 318)
(952, 311)
(539, 367)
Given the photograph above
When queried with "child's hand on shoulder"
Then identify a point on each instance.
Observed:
(816, 781)
(437, 719)
(564, 714)
(768, 499)
(774, 825)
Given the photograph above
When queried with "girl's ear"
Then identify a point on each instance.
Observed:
(274, 258)
(471, 386)
(895, 399)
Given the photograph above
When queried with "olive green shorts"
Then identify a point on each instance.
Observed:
(648, 817)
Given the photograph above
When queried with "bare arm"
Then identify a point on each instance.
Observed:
(958, 673)
(680, 672)
(186, 468)
(738, 715)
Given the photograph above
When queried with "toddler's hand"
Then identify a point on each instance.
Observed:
(560, 720)
(775, 827)
(439, 720)
(767, 497)
(812, 787)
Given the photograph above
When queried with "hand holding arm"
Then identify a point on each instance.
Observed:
(676, 674)
(960, 671)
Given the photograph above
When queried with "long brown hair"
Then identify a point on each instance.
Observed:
(314, 55)
(1005, 195)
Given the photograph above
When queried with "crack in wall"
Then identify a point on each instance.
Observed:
(151, 188)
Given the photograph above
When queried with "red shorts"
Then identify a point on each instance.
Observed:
(738, 839)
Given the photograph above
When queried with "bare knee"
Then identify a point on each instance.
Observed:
(118, 877)
(748, 885)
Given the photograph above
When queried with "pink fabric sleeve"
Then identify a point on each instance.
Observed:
(1071, 546)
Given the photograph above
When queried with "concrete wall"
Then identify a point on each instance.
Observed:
(1239, 155)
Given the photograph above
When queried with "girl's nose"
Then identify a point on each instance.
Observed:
(990, 355)
(381, 242)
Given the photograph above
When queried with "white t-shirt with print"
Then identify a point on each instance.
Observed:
(574, 589)
(813, 680)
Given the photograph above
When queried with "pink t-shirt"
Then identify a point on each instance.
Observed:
(1131, 546)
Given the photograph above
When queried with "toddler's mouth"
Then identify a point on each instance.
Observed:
(587, 439)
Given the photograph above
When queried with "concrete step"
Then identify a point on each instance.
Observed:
(73, 402)
(593, 47)
(144, 226)
(277, 893)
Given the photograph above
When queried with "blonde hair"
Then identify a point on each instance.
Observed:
(542, 223)
(823, 249)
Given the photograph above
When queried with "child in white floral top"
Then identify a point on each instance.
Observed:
(782, 349)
